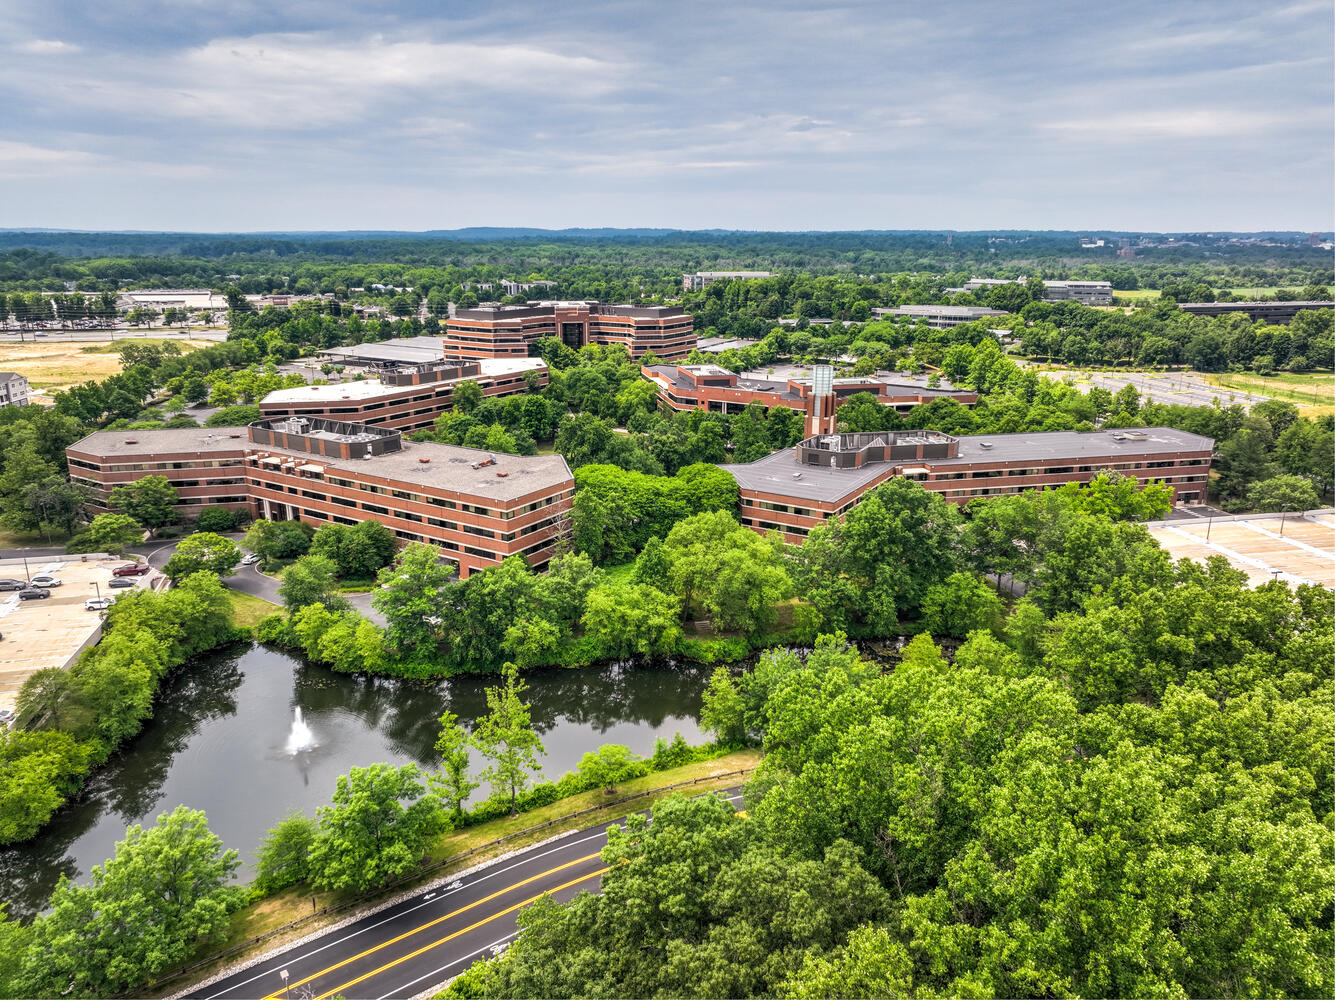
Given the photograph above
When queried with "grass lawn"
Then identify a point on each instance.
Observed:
(248, 610)
(59, 365)
(619, 573)
(1312, 392)
(298, 901)
(31, 539)
(1152, 294)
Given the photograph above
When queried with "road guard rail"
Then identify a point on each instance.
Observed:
(426, 870)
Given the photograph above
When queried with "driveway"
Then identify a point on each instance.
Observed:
(249, 579)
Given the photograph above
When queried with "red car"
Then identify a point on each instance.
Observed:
(130, 569)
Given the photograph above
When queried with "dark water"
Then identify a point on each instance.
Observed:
(218, 737)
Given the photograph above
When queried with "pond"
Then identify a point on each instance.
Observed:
(219, 738)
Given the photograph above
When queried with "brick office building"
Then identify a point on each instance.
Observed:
(475, 506)
(794, 490)
(405, 396)
(709, 387)
(511, 331)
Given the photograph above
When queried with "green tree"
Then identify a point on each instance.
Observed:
(203, 551)
(467, 396)
(37, 771)
(411, 597)
(310, 580)
(651, 565)
(608, 766)
(378, 826)
(452, 782)
(1282, 493)
(959, 604)
(55, 503)
(283, 858)
(729, 572)
(163, 895)
(111, 533)
(506, 737)
(151, 501)
(723, 712)
(634, 620)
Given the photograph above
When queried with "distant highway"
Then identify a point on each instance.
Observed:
(433, 936)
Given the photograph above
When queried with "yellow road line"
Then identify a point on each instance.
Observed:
(451, 937)
(437, 920)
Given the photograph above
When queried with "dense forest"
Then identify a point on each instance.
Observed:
(626, 267)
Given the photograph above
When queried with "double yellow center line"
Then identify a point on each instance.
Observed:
(448, 937)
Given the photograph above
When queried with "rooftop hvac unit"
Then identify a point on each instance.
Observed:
(984, 444)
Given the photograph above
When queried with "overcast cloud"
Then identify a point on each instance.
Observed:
(232, 115)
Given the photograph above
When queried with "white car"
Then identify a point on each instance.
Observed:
(250, 559)
(45, 581)
(97, 604)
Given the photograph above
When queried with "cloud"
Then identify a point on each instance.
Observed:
(21, 159)
(306, 81)
(47, 47)
(1183, 123)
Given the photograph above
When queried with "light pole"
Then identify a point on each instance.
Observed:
(283, 975)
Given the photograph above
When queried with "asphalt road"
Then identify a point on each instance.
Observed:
(249, 580)
(433, 936)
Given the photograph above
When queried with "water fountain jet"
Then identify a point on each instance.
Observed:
(300, 738)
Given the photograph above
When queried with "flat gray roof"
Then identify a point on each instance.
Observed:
(162, 441)
(774, 473)
(408, 349)
(450, 468)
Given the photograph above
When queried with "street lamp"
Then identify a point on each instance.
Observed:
(283, 975)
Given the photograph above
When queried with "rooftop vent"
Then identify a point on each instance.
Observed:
(984, 444)
(501, 473)
(424, 461)
(234, 435)
(797, 475)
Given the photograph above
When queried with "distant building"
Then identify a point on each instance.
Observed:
(793, 491)
(709, 387)
(524, 287)
(1271, 312)
(512, 331)
(703, 279)
(171, 298)
(1127, 252)
(404, 396)
(1088, 293)
(938, 317)
(1313, 239)
(13, 389)
(400, 350)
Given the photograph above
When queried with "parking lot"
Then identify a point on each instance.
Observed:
(1179, 388)
(51, 632)
(1253, 543)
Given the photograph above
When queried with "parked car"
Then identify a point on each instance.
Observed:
(45, 580)
(131, 569)
(33, 594)
(6, 716)
(250, 559)
(12, 584)
(121, 581)
(97, 604)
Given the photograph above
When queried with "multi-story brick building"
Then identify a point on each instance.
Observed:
(405, 396)
(511, 331)
(792, 491)
(475, 506)
(709, 387)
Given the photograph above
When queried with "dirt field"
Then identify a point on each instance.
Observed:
(1305, 553)
(48, 633)
(59, 365)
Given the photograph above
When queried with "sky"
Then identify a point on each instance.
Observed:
(232, 115)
